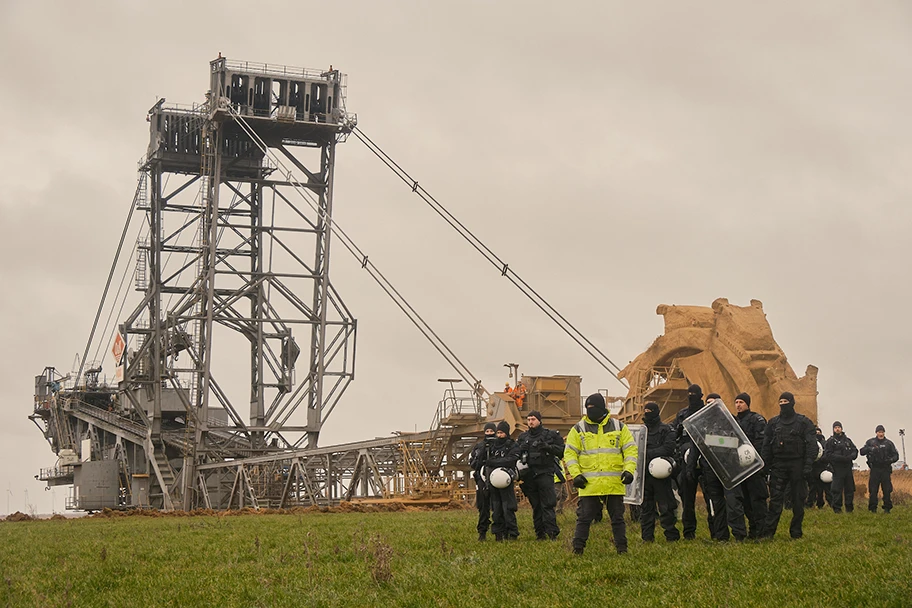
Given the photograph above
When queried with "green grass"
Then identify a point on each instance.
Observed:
(434, 559)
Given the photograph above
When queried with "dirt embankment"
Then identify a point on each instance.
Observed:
(902, 486)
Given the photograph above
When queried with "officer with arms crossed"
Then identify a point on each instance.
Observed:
(840, 452)
(538, 448)
(881, 455)
(789, 449)
(601, 455)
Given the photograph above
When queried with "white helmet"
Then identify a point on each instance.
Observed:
(659, 468)
(746, 454)
(500, 478)
(826, 476)
(819, 452)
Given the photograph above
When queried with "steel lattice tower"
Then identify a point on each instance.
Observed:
(236, 255)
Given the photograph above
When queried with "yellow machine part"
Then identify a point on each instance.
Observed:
(726, 349)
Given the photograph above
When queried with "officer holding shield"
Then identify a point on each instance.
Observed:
(687, 454)
(749, 497)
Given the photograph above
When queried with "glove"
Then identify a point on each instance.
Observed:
(580, 482)
(626, 478)
(536, 444)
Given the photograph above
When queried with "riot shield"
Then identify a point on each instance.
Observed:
(633, 493)
(723, 444)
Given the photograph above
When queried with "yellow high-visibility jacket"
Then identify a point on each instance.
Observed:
(600, 452)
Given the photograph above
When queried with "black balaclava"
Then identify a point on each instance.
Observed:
(504, 426)
(490, 426)
(651, 414)
(595, 407)
(787, 410)
(694, 397)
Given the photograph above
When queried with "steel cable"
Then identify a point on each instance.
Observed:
(365, 262)
(504, 268)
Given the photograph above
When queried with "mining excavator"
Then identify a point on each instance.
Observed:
(726, 349)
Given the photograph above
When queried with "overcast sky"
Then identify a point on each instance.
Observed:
(618, 155)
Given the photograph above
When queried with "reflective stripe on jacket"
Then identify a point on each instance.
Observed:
(600, 452)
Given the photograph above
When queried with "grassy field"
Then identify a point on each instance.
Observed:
(434, 559)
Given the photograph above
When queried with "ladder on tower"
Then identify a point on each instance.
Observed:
(207, 154)
(141, 202)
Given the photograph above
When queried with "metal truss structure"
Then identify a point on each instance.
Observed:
(236, 260)
(240, 348)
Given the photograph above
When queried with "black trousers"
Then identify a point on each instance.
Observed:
(714, 493)
(754, 496)
(843, 485)
(880, 477)
(734, 512)
(818, 491)
(543, 498)
(503, 511)
(657, 492)
(784, 473)
(483, 504)
(590, 506)
(687, 490)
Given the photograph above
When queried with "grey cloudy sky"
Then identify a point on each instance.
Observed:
(618, 155)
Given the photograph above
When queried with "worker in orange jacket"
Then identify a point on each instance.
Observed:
(519, 394)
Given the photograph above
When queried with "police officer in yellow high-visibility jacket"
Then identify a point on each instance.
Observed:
(601, 455)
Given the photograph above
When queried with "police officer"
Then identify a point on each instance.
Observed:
(660, 443)
(714, 493)
(881, 454)
(482, 494)
(817, 488)
(601, 455)
(687, 457)
(539, 448)
(502, 453)
(749, 497)
(789, 448)
(840, 453)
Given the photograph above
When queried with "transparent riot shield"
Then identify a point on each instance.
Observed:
(723, 444)
(633, 493)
